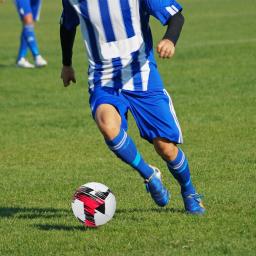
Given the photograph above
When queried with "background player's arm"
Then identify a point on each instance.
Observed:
(166, 47)
(68, 24)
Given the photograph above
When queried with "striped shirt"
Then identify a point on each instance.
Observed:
(118, 40)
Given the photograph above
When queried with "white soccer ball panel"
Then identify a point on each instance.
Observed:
(110, 205)
(78, 209)
(100, 218)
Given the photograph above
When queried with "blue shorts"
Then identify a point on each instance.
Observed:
(26, 7)
(153, 111)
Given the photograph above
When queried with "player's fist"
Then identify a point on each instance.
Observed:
(68, 75)
(165, 48)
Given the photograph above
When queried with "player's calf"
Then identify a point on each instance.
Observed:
(178, 165)
(180, 170)
(166, 149)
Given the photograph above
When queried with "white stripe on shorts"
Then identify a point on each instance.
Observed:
(174, 116)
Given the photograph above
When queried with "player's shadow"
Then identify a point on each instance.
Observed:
(32, 213)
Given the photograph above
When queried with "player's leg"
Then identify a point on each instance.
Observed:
(109, 123)
(157, 122)
(178, 165)
(36, 9)
(23, 9)
(28, 31)
(176, 160)
(23, 50)
(110, 115)
(29, 34)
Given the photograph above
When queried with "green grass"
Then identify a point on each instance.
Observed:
(49, 144)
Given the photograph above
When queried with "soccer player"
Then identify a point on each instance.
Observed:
(29, 12)
(123, 76)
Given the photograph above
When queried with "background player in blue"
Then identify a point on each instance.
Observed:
(123, 76)
(29, 12)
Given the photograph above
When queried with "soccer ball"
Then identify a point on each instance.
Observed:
(93, 204)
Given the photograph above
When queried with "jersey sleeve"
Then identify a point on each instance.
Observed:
(162, 10)
(69, 18)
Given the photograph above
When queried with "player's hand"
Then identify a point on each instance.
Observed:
(68, 75)
(165, 48)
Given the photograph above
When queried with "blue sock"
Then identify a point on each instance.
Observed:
(180, 170)
(23, 47)
(29, 35)
(124, 148)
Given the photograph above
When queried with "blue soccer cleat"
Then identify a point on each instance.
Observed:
(193, 204)
(156, 188)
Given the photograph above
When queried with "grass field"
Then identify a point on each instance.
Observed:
(49, 144)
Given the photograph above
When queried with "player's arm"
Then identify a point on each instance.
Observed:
(68, 24)
(168, 12)
(166, 47)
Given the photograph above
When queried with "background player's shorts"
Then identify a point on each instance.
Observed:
(26, 7)
(153, 111)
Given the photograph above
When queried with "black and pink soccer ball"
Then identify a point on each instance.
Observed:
(93, 204)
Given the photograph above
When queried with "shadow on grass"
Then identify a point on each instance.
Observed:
(7, 66)
(51, 213)
(158, 210)
(47, 213)
(50, 227)
(32, 213)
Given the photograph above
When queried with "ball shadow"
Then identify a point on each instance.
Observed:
(32, 213)
(50, 227)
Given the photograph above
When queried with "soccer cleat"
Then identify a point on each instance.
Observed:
(40, 61)
(193, 204)
(156, 188)
(23, 63)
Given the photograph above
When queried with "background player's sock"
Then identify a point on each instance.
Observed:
(29, 35)
(123, 146)
(23, 47)
(180, 170)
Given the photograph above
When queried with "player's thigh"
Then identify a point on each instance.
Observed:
(155, 115)
(108, 120)
(24, 9)
(36, 9)
(109, 110)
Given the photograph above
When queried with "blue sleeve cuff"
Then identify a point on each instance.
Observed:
(167, 12)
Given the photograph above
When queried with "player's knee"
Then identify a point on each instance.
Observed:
(166, 149)
(28, 19)
(108, 121)
(109, 130)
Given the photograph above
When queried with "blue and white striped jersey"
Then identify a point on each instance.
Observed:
(118, 40)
